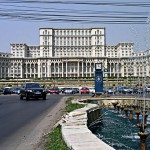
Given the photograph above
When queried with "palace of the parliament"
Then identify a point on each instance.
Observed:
(73, 52)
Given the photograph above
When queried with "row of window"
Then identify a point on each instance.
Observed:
(73, 54)
(71, 43)
(71, 32)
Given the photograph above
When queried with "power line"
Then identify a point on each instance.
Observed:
(139, 4)
(11, 10)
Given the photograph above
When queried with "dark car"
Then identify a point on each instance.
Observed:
(54, 90)
(1, 91)
(138, 90)
(16, 90)
(7, 90)
(76, 90)
(32, 90)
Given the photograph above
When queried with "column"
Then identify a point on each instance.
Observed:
(122, 70)
(54, 69)
(50, 70)
(86, 69)
(90, 70)
(47, 65)
(39, 66)
(21, 76)
(62, 69)
(78, 69)
(82, 68)
(30, 70)
(110, 70)
(66, 69)
(34, 70)
(58, 69)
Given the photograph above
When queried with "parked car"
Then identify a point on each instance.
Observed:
(126, 90)
(110, 90)
(84, 90)
(92, 90)
(62, 90)
(1, 91)
(54, 90)
(69, 91)
(147, 88)
(32, 90)
(16, 90)
(120, 88)
(76, 90)
(138, 90)
(7, 90)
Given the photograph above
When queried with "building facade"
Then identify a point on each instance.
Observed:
(73, 53)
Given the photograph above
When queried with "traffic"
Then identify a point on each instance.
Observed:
(32, 90)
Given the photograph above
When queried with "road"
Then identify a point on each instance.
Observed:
(21, 120)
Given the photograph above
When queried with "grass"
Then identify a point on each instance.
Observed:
(55, 140)
(70, 106)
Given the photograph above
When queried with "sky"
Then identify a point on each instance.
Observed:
(20, 20)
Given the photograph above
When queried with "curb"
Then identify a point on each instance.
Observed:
(76, 134)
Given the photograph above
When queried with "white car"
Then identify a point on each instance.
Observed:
(147, 88)
(69, 91)
(92, 90)
(110, 91)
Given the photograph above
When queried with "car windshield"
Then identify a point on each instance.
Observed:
(54, 89)
(84, 88)
(68, 89)
(17, 88)
(33, 85)
(7, 89)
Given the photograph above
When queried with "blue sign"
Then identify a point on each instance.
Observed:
(98, 78)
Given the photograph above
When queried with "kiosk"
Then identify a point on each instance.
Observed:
(98, 79)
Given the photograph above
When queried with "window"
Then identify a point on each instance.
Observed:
(45, 31)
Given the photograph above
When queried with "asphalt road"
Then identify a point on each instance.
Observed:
(18, 118)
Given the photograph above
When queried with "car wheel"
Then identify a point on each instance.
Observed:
(21, 97)
(44, 97)
(27, 97)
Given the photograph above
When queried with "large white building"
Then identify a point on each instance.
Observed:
(72, 53)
